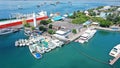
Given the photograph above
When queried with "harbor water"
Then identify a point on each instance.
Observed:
(94, 54)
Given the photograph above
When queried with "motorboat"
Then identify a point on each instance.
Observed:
(34, 51)
(115, 51)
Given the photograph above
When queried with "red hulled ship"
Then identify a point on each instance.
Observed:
(29, 19)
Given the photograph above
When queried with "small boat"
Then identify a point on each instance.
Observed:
(115, 51)
(34, 51)
(20, 7)
(48, 49)
(7, 31)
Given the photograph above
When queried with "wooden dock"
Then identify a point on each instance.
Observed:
(114, 60)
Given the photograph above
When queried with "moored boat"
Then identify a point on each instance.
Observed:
(88, 34)
(7, 31)
(115, 51)
(34, 51)
(19, 20)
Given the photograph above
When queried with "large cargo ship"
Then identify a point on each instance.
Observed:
(28, 17)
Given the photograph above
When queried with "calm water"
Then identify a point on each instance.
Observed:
(9, 7)
(74, 55)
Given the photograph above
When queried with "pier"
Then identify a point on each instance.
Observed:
(72, 38)
(114, 60)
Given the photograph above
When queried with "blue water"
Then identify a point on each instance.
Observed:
(93, 54)
(9, 7)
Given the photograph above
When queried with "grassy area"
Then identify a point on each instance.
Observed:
(112, 16)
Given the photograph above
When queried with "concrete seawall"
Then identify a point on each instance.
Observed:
(108, 29)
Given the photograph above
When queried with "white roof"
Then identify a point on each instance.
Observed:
(95, 23)
(60, 32)
(86, 12)
(88, 31)
(118, 9)
(65, 15)
(107, 7)
(85, 35)
(59, 36)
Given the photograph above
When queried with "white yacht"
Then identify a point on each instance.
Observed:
(88, 34)
(115, 51)
(34, 51)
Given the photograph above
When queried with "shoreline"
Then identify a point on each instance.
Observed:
(108, 29)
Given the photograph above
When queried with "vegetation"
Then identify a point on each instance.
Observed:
(42, 28)
(79, 18)
(102, 22)
(24, 22)
(33, 28)
(100, 7)
(27, 25)
(50, 26)
(92, 14)
(50, 31)
(74, 31)
(45, 22)
(113, 16)
(49, 21)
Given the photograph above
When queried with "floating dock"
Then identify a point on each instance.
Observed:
(114, 60)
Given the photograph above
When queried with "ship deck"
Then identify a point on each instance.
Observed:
(114, 60)
(15, 22)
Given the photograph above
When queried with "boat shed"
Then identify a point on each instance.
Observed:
(60, 32)
(87, 23)
(57, 18)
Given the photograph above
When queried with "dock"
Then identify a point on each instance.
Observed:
(114, 60)
(76, 36)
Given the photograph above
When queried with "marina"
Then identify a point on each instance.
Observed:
(61, 44)
(38, 45)
(91, 48)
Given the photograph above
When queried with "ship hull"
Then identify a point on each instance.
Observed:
(12, 23)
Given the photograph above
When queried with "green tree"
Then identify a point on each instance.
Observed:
(49, 21)
(24, 22)
(33, 28)
(80, 18)
(44, 22)
(42, 28)
(105, 23)
(51, 31)
(92, 14)
(50, 26)
(74, 31)
(27, 25)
